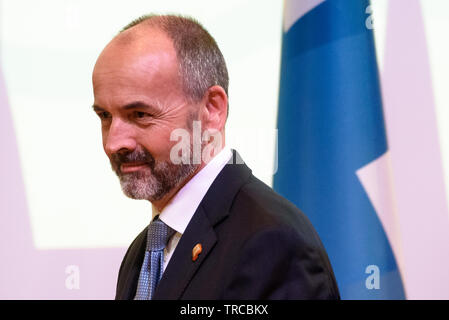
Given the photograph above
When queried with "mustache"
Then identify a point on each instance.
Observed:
(138, 155)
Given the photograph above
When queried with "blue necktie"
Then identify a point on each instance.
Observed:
(152, 267)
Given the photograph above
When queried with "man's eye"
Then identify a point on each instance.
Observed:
(104, 115)
(141, 115)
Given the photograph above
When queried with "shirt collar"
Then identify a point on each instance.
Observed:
(179, 211)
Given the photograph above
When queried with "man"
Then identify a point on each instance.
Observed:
(217, 231)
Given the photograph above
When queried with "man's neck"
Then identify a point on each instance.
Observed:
(162, 203)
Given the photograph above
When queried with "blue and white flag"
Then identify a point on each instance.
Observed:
(331, 127)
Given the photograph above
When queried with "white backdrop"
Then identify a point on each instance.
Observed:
(48, 50)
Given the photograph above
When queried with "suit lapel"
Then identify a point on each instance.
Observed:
(127, 285)
(181, 268)
(212, 210)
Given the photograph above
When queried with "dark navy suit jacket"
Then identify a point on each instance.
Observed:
(255, 245)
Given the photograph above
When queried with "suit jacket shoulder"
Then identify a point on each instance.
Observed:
(281, 255)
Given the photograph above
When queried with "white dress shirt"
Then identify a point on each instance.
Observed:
(179, 211)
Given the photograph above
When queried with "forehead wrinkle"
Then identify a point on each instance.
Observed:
(155, 62)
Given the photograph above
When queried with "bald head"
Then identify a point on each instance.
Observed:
(201, 63)
(138, 47)
(138, 65)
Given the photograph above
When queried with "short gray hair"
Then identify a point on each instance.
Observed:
(201, 63)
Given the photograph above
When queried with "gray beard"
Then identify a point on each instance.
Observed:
(153, 185)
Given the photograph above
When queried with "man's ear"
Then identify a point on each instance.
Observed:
(215, 108)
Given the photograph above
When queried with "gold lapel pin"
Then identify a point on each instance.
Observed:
(197, 249)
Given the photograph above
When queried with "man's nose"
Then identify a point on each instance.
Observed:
(119, 138)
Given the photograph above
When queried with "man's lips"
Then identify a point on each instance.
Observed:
(132, 166)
